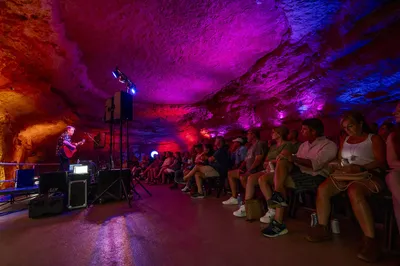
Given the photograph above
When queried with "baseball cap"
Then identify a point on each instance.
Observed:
(240, 140)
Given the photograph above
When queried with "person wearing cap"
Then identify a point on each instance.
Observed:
(281, 146)
(254, 163)
(239, 153)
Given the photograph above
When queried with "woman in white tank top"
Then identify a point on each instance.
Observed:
(359, 152)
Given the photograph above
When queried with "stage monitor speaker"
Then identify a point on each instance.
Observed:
(108, 114)
(123, 106)
(53, 180)
(24, 178)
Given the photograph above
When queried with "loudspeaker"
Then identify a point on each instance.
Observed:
(123, 106)
(53, 180)
(108, 114)
(24, 178)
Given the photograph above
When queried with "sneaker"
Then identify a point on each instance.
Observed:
(319, 233)
(198, 196)
(370, 251)
(275, 229)
(268, 217)
(241, 212)
(231, 201)
(277, 201)
(185, 189)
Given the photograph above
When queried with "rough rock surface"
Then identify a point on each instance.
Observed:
(214, 65)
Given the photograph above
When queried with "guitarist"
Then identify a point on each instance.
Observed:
(65, 139)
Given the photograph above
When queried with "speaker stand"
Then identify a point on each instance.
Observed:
(120, 178)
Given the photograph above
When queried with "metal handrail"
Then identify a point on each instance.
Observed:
(32, 164)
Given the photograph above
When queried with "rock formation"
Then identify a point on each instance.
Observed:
(211, 65)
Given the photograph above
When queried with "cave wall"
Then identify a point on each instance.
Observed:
(202, 68)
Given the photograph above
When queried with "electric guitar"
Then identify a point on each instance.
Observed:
(69, 152)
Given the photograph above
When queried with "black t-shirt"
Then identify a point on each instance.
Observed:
(221, 163)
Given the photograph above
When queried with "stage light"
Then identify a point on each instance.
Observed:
(153, 153)
(131, 88)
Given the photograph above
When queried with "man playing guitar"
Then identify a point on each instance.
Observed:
(65, 140)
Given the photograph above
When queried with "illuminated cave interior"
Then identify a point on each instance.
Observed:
(202, 68)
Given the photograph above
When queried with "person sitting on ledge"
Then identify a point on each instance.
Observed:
(218, 164)
(281, 146)
(254, 164)
(361, 151)
(309, 171)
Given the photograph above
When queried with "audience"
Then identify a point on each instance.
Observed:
(253, 164)
(218, 164)
(286, 163)
(282, 146)
(309, 170)
(361, 151)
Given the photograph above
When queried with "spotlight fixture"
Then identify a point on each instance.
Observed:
(130, 86)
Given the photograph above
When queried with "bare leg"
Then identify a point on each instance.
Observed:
(357, 195)
(199, 182)
(281, 172)
(250, 186)
(325, 192)
(264, 181)
(393, 183)
(232, 176)
(191, 173)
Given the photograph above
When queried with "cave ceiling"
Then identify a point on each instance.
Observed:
(212, 64)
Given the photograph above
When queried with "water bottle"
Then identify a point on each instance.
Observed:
(335, 226)
(239, 198)
(78, 161)
(314, 219)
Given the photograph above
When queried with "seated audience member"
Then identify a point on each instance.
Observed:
(393, 159)
(293, 138)
(175, 166)
(239, 152)
(254, 163)
(361, 151)
(169, 160)
(196, 157)
(385, 129)
(282, 146)
(178, 174)
(201, 163)
(151, 171)
(309, 171)
(218, 165)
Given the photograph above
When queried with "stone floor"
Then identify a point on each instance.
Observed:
(167, 229)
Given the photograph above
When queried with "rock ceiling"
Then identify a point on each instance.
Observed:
(213, 64)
